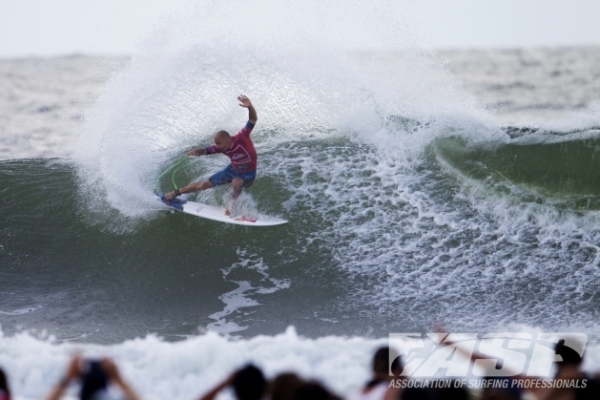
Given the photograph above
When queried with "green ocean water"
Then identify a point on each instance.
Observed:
(350, 259)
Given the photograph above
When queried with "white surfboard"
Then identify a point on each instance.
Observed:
(218, 213)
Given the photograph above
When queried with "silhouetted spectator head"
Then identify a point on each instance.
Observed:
(93, 379)
(249, 383)
(284, 386)
(4, 389)
(568, 355)
(381, 362)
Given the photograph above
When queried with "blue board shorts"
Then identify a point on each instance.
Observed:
(229, 174)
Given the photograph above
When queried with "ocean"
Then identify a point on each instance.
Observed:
(421, 186)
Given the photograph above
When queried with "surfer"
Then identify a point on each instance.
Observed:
(240, 150)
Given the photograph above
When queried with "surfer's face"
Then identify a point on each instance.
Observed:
(222, 142)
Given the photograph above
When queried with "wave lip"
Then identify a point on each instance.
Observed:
(558, 168)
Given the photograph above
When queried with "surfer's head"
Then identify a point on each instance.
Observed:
(223, 140)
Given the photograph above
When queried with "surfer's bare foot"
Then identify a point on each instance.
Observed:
(171, 195)
(228, 212)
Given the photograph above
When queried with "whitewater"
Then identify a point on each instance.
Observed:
(422, 187)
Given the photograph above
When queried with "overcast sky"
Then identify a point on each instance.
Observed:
(56, 27)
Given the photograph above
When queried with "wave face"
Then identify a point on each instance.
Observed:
(408, 203)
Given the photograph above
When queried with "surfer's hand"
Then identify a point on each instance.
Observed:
(196, 152)
(244, 101)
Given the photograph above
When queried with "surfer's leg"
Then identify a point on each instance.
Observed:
(242, 181)
(237, 184)
(196, 187)
(192, 187)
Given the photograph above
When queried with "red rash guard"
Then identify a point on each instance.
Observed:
(241, 152)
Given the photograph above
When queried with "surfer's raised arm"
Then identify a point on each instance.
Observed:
(223, 136)
(246, 103)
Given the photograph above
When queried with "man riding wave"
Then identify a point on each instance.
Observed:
(240, 150)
